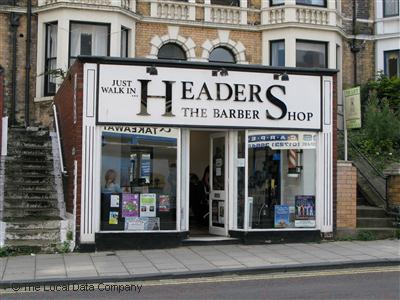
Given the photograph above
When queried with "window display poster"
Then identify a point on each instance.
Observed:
(282, 214)
(163, 205)
(214, 211)
(114, 201)
(148, 205)
(135, 224)
(304, 211)
(142, 223)
(130, 205)
(221, 212)
(113, 219)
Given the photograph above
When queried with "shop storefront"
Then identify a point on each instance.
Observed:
(149, 128)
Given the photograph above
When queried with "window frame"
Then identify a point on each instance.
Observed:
(126, 30)
(325, 5)
(108, 25)
(223, 62)
(315, 42)
(177, 45)
(385, 63)
(387, 15)
(48, 59)
(270, 51)
(271, 3)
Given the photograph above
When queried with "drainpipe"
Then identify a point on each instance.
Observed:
(14, 23)
(354, 48)
(28, 59)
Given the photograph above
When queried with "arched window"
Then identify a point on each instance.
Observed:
(171, 51)
(222, 55)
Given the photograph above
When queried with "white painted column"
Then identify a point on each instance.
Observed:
(115, 37)
(243, 12)
(41, 42)
(207, 10)
(63, 42)
(290, 51)
(192, 10)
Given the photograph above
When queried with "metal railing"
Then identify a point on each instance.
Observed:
(63, 171)
(372, 178)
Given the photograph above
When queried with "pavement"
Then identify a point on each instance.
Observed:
(194, 261)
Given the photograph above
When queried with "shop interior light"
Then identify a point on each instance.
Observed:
(283, 76)
(152, 70)
(222, 72)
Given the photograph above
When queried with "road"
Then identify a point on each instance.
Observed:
(360, 283)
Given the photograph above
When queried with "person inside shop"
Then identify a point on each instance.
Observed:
(199, 194)
(110, 185)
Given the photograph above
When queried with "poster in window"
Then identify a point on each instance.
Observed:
(114, 201)
(152, 223)
(282, 214)
(214, 211)
(130, 205)
(113, 218)
(221, 212)
(304, 211)
(132, 224)
(163, 205)
(148, 205)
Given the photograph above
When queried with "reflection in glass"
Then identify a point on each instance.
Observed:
(138, 181)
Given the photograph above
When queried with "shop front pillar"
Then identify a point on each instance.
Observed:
(346, 210)
(393, 185)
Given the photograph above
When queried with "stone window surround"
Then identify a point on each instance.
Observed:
(189, 45)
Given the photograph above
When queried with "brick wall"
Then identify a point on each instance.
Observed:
(146, 31)
(1, 102)
(6, 61)
(365, 64)
(71, 135)
(346, 210)
(393, 184)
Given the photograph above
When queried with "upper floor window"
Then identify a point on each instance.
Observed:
(321, 3)
(277, 53)
(310, 54)
(276, 2)
(226, 2)
(50, 63)
(171, 51)
(124, 41)
(221, 55)
(390, 8)
(88, 39)
(392, 63)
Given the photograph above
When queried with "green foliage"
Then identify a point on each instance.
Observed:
(4, 251)
(63, 247)
(366, 235)
(386, 89)
(70, 235)
(379, 138)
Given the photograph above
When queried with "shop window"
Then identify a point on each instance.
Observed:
(50, 77)
(281, 179)
(321, 3)
(390, 8)
(124, 41)
(276, 2)
(88, 39)
(222, 55)
(171, 51)
(310, 54)
(138, 179)
(392, 63)
(241, 178)
(277, 53)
